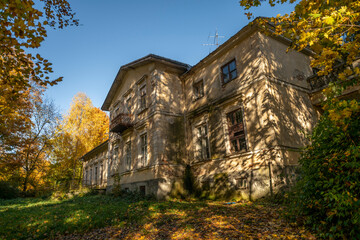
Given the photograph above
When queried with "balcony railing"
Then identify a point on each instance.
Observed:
(121, 122)
(319, 82)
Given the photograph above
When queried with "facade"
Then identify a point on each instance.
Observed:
(95, 165)
(237, 119)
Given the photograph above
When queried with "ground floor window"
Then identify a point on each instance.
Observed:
(236, 131)
(128, 155)
(142, 190)
(202, 150)
(143, 149)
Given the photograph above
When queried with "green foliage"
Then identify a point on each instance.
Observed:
(328, 193)
(7, 191)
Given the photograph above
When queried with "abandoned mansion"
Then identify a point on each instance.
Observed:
(234, 123)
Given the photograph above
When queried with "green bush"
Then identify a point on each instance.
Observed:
(7, 191)
(328, 192)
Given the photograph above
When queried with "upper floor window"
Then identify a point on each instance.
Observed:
(128, 155)
(143, 97)
(228, 71)
(202, 150)
(128, 104)
(115, 111)
(236, 131)
(143, 149)
(115, 153)
(198, 89)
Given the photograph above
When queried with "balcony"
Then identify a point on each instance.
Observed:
(319, 82)
(121, 122)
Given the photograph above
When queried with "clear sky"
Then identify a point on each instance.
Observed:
(115, 32)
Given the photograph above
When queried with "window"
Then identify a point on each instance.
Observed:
(202, 150)
(236, 131)
(86, 177)
(116, 153)
(143, 150)
(143, 97)
(128, 155)
(101, 173)
(242, 183)
(142, 190)
(90, 181)
(228, 71)
(198, 89)
(128, 104)
(96, 175)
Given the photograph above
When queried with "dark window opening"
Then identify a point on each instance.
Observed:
(242, 183)
(198, 90)
(143, 97)
(142, 190)
(228, 71)
(128, 155)
(202, 143)
(143, 145)
(236, 131)
(96, 175)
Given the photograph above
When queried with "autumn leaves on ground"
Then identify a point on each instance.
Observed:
(107, 217)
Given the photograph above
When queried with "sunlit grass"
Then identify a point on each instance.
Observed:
(116, 218)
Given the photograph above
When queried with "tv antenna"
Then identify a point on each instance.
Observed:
(216, 39)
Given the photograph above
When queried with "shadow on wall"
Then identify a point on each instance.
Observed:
(277, 119)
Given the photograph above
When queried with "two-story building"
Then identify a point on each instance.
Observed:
(237, 119)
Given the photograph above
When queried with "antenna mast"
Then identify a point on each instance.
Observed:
(216, 40)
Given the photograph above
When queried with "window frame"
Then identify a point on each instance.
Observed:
(202, 92)
(234, 128)
(127, 154)
(227, 65)
(115, 153)
(96, 175)
(142, 96)
(202, 142)
(143, 150)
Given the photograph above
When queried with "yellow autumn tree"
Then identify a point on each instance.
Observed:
(82, 128)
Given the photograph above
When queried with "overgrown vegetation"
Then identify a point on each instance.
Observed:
(328, 193)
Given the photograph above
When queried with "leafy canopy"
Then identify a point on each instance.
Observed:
(328, 192)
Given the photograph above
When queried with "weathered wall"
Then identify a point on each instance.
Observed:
(289, 66)
(260, 169)
(99, 160)
(293, 115)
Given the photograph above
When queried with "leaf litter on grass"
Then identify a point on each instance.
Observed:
(196, 220)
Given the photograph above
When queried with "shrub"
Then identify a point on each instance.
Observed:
(328, 192)
(8, 191)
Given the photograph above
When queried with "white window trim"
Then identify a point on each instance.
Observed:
(141, 165)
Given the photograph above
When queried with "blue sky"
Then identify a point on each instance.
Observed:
(115, 32)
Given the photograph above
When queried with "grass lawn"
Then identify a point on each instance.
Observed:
(104, 217)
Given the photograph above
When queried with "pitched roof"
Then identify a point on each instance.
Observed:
(95, 150)
(137, 63)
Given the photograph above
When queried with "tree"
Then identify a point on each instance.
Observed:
(23, 26)
(328, 192)
(83, 128)
(37, 140)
